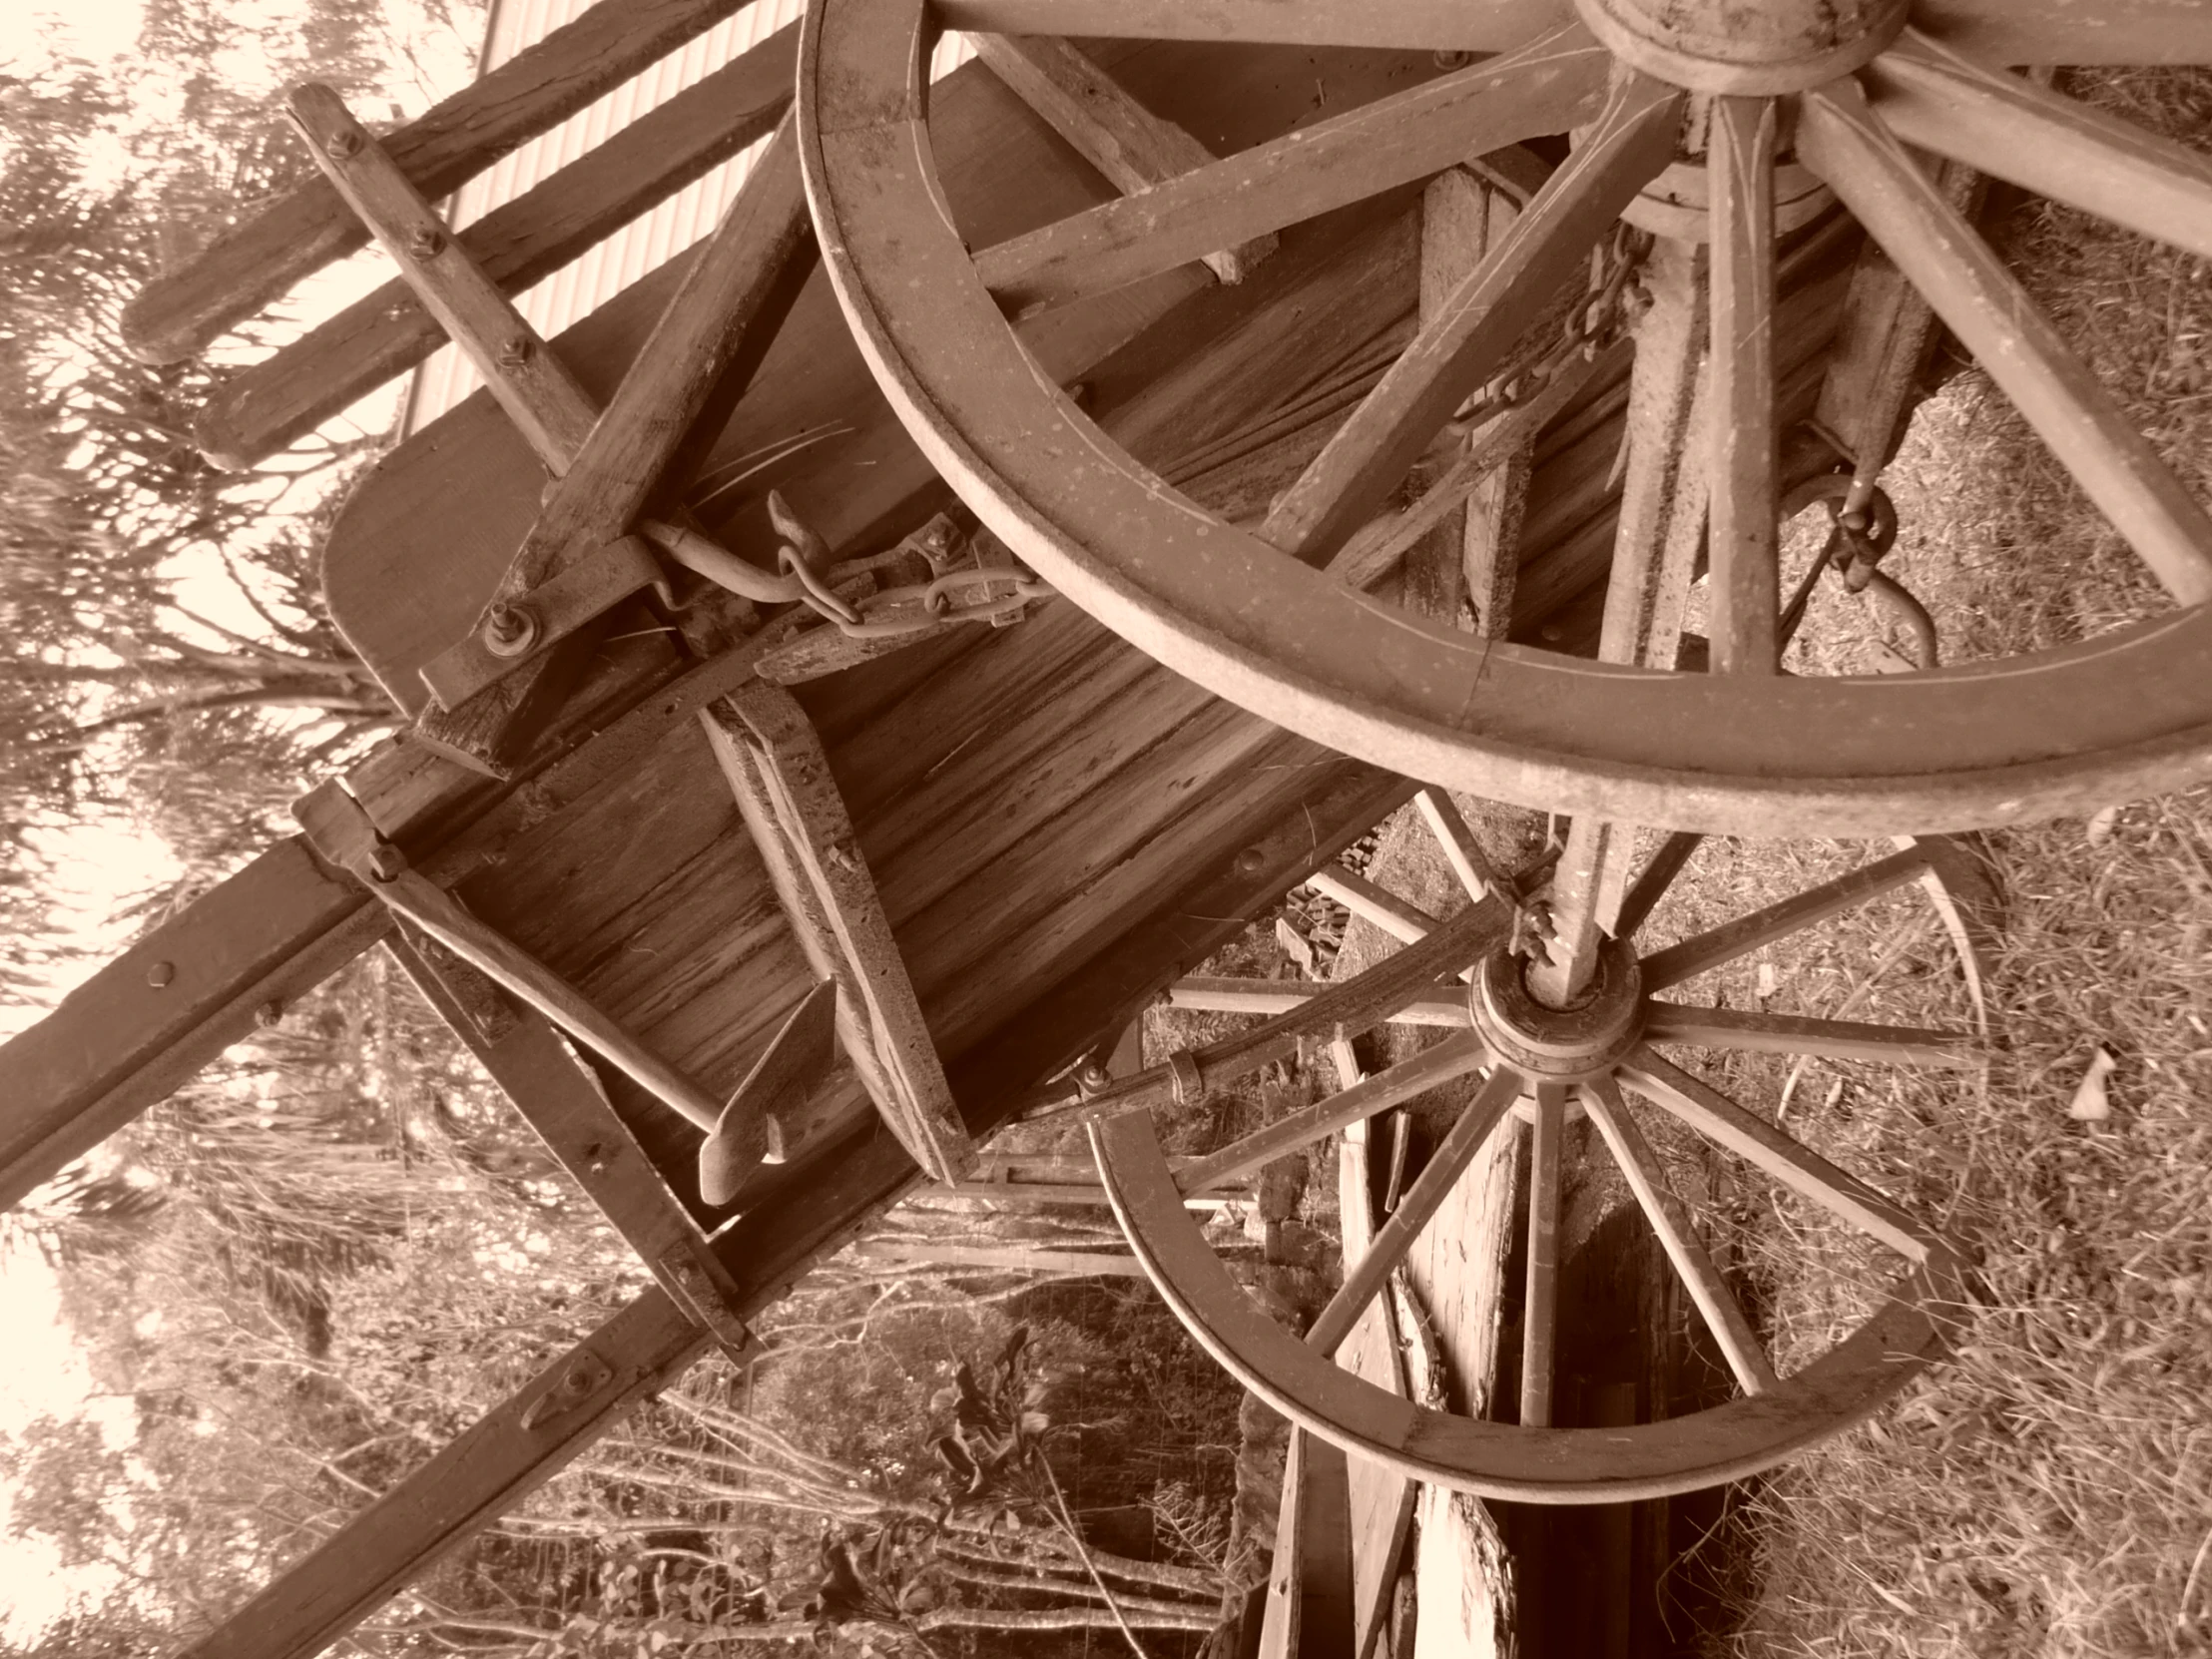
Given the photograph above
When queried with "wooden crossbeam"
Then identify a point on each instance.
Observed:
(781, 776)
(496, 688)
(1134, 147)
(571, 1115)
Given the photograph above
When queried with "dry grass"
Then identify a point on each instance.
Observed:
(2050, 1493)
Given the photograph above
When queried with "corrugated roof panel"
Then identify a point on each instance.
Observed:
(646, 243)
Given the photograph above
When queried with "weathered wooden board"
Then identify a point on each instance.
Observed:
(1381, 1499)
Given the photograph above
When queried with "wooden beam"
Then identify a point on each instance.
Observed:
(1134, 147)
(777, 768)
(243, 270)
(139, 1027)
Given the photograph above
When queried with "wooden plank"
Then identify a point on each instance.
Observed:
(783, 786)
(1308, 1606)
(1134, 147)
(1018, 1258)
(571, 1115)
(172, 1002)
(1381, 1499)
(268, 405)
(243, 270)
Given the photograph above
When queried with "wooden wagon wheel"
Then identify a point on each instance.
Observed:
(1832, 93)
(1611, 1047)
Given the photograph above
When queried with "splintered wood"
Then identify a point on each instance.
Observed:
(781, 776)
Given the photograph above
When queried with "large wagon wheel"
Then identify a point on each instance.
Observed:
(1596, 1057)
(1833, 91)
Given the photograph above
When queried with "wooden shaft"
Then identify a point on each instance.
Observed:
(441, 916)
(1772, 921)
(1745, 578)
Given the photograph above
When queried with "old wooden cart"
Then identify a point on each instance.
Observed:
(1046, 645)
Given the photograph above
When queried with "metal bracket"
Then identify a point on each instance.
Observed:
(514, 629)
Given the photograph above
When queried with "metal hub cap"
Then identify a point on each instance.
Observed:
(1731, 46)
(1585, 1041)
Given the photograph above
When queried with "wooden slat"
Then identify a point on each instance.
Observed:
(1329, 165)
(1629, 143)
(1134, 147)
(180, 311)
(782, 785)
(268, 405)
(1309, 1581)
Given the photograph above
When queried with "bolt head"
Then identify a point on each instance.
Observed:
(344, 143)
(269, 1014)
(1252, 860)
(509, 629)
(427, 243)
(386, 863)
(161, 975)
(515, 352)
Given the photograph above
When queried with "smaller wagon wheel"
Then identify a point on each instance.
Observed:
(1607, 1055)
(1763, 101)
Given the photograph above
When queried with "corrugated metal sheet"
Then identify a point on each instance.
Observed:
(581, 287)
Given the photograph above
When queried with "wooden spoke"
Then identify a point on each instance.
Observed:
(1461, 850)
(1627, 147)
(1839, 1040)
(1282, 997)
(1540, 1306)
(1744, 583)
(1402, 922)
(1455, 1056)
(1329, 165)
(1365, 1000)
(1733, 939)
(1797, 1166)
(1670, 1220)
(1841, 138)
(2067, 31)
(1421, 1202)
(1652, 884)
(1438, 24)
(1934, 99)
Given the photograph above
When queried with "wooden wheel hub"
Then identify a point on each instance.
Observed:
(1583, 1040)
(1726, 46)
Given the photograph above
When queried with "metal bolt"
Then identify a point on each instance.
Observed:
(386, 863)
(161, 974)
(515, 352)
(343, 144)
(577, 1381)
(269, 1014)
(595, 1157)
(1252, 860)
(1452, 60)
(427, 243)
(509, 629)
